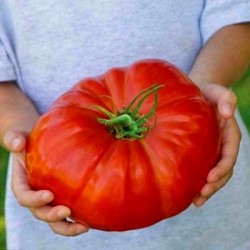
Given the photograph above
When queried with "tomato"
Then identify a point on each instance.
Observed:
(126, 149)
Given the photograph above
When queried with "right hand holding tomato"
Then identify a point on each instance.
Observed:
(37, 201)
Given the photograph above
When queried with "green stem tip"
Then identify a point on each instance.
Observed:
(129, 124)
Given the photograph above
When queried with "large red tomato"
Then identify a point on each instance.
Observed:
(126, 149)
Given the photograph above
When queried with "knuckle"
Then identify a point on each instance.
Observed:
(14, 189)
(40, 215)
(233, 162)
(35, 214)
(21, 201)
(212, 190)
(226, 179)
(54, 227)
(230, 174)
(232, 165)
(239, 134)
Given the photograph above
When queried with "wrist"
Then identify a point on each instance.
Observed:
(202, 80)
(16, 110)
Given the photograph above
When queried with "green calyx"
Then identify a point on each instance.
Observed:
(129, 124)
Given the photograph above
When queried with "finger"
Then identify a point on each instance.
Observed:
(24, 194)
(51, 214)
(227, 104)
(66, 228)
(231, 137)
(210, 189)
(221, 97)
(199, 201)
(14, 141)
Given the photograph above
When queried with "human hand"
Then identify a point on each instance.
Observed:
(225, 102)
(37, 201)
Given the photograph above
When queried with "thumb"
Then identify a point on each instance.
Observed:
(14, 141)
(222, 97)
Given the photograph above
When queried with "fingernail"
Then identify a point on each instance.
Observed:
(16, 142)
(46, 197)
(63, 213)
(227, 109)
(201, 201)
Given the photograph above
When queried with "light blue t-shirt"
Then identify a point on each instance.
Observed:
(47, 46)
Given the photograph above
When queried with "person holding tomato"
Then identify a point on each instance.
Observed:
(45, 49)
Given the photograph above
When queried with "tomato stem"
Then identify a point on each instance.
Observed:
(129, 124)
(124, 120)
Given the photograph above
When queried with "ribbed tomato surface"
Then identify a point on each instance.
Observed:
(128, 183)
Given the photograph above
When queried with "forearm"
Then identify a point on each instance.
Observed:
(225, 57)
(16, 111)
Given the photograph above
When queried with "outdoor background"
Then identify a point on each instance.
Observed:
(242, 90)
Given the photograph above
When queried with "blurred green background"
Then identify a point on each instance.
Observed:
(242, 90)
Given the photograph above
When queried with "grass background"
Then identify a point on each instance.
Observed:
(242, 90)
(3, 172)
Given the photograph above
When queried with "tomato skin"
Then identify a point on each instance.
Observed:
(117, 185)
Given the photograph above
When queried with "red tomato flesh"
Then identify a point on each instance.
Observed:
(122, 184)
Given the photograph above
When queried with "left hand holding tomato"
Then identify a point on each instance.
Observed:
(225, 101)
(37, 201)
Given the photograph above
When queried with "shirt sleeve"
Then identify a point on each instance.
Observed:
(220, 13)
(7, 72)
